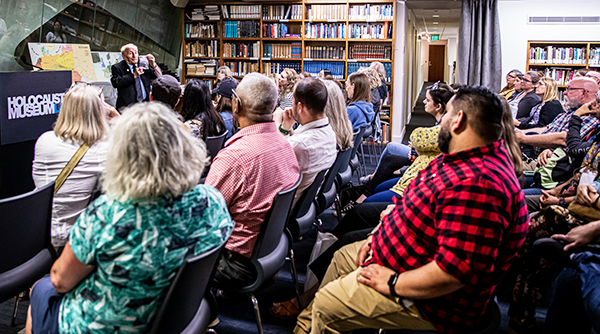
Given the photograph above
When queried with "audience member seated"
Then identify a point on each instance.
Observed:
(360, 109)
(81, 123)
(224, 94)
(314, 141)
(423, 149)
(509, 90)
(125, 248)
(374, 84)
(419, 272)
(579, 91)
(166, 89)
(383, 88)
(287, 80)
(574, 306)
(528, 85)
(335, 110)
(198, 111)
(517, 96)
(223, 73)
(255, 164)
(303, 75)
(543, 113)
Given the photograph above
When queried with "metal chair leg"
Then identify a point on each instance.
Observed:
(371, 149)
(362, 154)
(15, 309)
(256, 313)
(295, 276)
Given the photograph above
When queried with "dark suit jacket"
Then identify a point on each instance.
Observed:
(122, 79)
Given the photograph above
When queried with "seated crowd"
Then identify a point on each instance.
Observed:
(436, 227)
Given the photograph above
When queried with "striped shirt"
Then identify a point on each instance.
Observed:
(256, 164)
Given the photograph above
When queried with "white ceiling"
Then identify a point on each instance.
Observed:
(447, 22)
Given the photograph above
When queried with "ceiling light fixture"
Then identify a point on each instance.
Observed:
(435, 15)
(435, 22)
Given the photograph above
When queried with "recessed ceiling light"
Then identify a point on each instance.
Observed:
(435, 15)
(435, 22)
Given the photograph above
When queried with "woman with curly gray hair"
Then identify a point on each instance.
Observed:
(125, 248)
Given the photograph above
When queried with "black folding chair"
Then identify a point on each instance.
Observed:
(28, 254)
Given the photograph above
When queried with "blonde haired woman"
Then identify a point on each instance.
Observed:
(287, 81)
(125, 248)
(82, 120)
(383, 89)
(335, 109)
(374, 83)
(545, 112)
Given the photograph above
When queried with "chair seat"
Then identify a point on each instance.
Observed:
(327, 199)
(305, 223)
(22, 277)
(343, 178)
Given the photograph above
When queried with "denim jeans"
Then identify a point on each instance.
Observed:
(394, 149)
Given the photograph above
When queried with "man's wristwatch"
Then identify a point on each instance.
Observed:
(392, 284)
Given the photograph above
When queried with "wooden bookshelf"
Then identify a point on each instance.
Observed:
(275, 13)
(560, 60)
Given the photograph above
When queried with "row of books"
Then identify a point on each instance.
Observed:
(556, 55)
(371, 30)
(241, 12)
(282, 12)
(278, 30)
(562, 76)
(200, 68)
(314, 67)
(325, 30)
(244, 50)
(370, 51)
(371, 12)
(241, 68)
(594, 56)
(327, 12)
(242, 29)
(293, 50)
(385, 129)
(208, 12)
(277, 67)
(325, 52)
(201, 30)
(353, 67)
(202, 49)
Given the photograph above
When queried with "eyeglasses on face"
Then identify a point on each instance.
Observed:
(573, 88)
(526, 80)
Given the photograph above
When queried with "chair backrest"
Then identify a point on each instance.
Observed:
(358, 137)
(275, 222)
(180, 307)
(343, 156)
(215, 144)
(25, 222)
(302, 207)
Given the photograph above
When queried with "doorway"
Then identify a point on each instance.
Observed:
(437, 55)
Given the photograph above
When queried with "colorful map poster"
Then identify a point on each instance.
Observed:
(59, 57)
(103, 61)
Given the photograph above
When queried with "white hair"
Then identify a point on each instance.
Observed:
(128, 46)
(258, 93)
(152, 155)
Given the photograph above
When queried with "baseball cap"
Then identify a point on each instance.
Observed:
(226, 87)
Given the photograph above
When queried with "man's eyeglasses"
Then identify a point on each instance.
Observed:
(237, 97)
(526, 80)
(574, 88)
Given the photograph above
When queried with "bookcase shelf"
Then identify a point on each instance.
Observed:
(296, 17)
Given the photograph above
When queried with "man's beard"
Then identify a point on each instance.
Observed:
(444, 139)
(295, 114)
(572, 103)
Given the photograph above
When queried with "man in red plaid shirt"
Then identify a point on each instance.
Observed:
(435, 260)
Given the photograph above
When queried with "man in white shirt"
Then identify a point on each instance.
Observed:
(313, 141)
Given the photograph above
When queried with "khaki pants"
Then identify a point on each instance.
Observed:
(342, 304)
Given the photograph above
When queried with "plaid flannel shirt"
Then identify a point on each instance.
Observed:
(466, 212)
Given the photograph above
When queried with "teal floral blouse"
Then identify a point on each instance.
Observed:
(137, 247)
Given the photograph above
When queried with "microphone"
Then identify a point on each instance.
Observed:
(24, 61)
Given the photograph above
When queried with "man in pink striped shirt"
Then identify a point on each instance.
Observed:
(256, 163)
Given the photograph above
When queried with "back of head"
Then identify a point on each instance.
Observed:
(380, 70)
(551, 92)
(440, 94)
(510, 138)
(152, 155)
(258, 95)
(594, 75)
(82, 117)
(196, 100)
(311, 92)
(335, 110)
(483, 110)
(374, 80)
(362, 90)
(166, 89)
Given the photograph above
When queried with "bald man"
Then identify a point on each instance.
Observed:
(256, 163)
(579, 91)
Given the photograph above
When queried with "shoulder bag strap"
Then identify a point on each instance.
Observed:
(66, 171)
